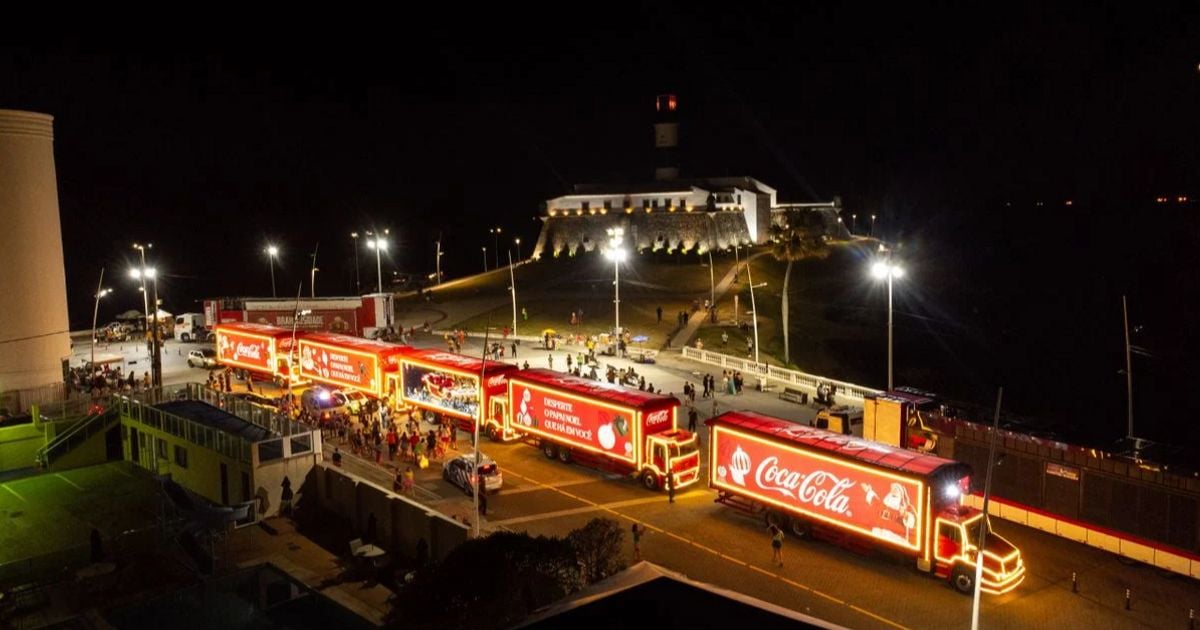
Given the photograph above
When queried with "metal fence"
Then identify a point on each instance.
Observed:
(139, 408)
(786, 377)
(21, 401)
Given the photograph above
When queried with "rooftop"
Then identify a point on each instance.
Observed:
(215, 418)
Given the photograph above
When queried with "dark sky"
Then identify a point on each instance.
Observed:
(215, 134)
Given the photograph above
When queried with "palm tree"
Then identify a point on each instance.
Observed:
(791, 243)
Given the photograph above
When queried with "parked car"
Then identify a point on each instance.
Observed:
(203, 358)
(354, 401)
(322, 402)
(457, 471)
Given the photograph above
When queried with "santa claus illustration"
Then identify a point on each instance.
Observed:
(895, 517)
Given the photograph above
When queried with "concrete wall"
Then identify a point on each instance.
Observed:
(18, 444)
(399, 522)
(90, 453)
(203, 472)
(267, 481)
(656, 230)
(35, 338)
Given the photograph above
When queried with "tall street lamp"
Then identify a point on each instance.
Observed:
(272, 252)
(518, 242)
(156, 341)
(438, 262)
(379, 245)
(616, 253)
(872, 225)
(853, 223)
(512, 279)
(754, 308)
(95, 313)
(885, 270)
(357, 283)
(495, 232)
(484, 260)
(145, 294)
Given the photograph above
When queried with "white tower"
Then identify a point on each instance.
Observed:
(34, 335)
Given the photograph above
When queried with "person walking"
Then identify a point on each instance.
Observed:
(514, 349)
(670, 487)
(776, 544)
(637, 532)
(692, 418)
(408, 481)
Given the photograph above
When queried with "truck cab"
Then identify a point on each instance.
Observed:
(190, 327)
(840, 419)
(956, 547)
(677, 451)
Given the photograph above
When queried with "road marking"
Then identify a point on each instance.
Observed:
(591, 507)
(69, 482)
(14, 493)
(559, 484)
(878, 618)
(611, 508)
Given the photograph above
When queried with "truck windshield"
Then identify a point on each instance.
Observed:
(973, 530)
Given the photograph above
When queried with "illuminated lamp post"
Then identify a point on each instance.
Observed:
(885, 270)
(495, 232)
(616, 253)
(518, 242)
(272, 252)
(357, 283)
(485, 260)
(156, 341)
(95, 313)
(379, 245)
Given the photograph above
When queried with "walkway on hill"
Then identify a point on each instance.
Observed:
(685, 334)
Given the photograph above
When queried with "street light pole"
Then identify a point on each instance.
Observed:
(512, 279)
(312, 285)
(357, 283)
(616, 253)
(753, 307)
(496, 243)
(518, 241)
(484, 260)
(272, 251)
(378, 244)
(438, 262)
(712, 287)
(95, 313)
(885, 270)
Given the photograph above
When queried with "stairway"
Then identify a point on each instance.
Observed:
(78, 434)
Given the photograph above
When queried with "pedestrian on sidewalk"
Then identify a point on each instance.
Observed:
(482, 502)
(659, 311)
(776, 544)
(550, 361)
(670, 487)
(638, 531)
(724, 338)
(514, 349)
(692, 417)
(409, 486)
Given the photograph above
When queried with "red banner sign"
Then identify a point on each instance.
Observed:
(247, 351)
(339, 366)
(850, 495)
(600, 428)
(335, 321)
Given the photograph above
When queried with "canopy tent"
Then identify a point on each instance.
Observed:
(161, 314)
(130, 315)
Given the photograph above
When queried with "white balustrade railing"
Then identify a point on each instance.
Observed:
(793, 378)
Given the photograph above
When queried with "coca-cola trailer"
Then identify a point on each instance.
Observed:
(357, 316)
(257, 349)
(852, 491)
(602, 425)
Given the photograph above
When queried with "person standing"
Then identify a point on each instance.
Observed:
(637, 532)
(550, 361)
(776, 544)
(514, 349)
(692, 417)
(670, 487)
(659, 311)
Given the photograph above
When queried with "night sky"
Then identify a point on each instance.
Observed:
(213, 138)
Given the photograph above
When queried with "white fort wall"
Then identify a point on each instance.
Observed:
(34, 336)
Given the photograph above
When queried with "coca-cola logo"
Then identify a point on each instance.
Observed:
(496, 381)
(247, 350)
(818, 488)
(658, 417)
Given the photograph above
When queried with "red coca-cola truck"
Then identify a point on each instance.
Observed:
(599, 424)
(858, 493)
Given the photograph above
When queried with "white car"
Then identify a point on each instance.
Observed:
(352, 400)
(203, 358)
(457, 471)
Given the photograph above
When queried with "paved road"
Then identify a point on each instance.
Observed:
(713, 543)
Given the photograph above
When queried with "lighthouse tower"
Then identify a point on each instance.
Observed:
(666, 137)
(34, 337)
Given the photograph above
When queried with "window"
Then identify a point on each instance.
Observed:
(161, 448)
(608, 205)
(645, 203)
(181, 457)
(587, 205)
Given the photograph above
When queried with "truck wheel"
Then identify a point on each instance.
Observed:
(649, 480)
(493, 433)
(564, 455)
(963, 579)
(549, 450)
(800, 527)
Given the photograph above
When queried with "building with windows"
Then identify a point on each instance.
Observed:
(670, 213)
